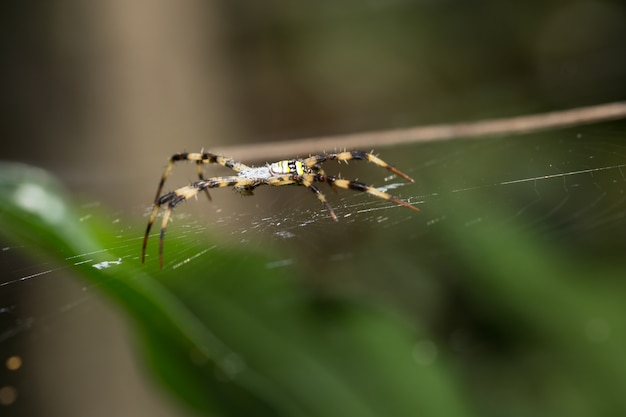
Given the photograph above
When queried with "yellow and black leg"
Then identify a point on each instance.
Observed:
(172, 199)
(345, 156)
(200, 158)
(307, 181)
(359, 186)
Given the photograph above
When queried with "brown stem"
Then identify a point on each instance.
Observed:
(367, 140)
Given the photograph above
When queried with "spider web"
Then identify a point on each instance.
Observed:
(565, 186)
(578, 172)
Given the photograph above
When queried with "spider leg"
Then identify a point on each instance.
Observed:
(172, 199)
(307, 181)
(359, 186)
(314, 160)
(322, 198)
(201, 178)
(317, 169)
(200, 158)
(155, 211)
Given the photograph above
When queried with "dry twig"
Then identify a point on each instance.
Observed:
(377, 139)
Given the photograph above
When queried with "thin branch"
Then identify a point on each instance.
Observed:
(484, 128)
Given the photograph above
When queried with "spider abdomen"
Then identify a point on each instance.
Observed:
(288, 166)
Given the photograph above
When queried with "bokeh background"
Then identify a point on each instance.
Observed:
(101, 94)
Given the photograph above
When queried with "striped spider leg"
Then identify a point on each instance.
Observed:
(172, 199)
(359, 186)
(200, 158)
(316, 160)
(303, 172)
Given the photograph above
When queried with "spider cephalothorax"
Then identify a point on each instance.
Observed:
(304, 172)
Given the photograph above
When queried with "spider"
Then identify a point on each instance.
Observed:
(304, 172)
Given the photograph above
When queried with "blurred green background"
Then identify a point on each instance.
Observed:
(502, 297)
